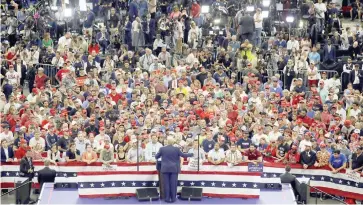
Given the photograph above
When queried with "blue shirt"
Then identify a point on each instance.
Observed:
(244, 144)
(337, 162)
(208, 145)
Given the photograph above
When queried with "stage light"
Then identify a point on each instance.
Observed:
(66, 1)
(301, 24)
(82, 5)
(216, 28)
(205, 9)
(250, 8)
(217, 21)
(290, 19)
(220, 32)
(266, 3)
(67, 12)
(265, 14)
(210, 32)
(54, 8)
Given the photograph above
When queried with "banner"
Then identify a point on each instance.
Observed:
(255, 167)
(352, 175)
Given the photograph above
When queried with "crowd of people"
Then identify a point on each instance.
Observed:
(150, 72)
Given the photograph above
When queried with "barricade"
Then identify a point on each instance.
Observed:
(50, 71)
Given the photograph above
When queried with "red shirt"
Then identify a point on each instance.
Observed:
(293, 158)
(40, 81)
(115, 97)
(253, 155)
(61, 73)
(20, 153)
(195, 10)
(96, 48)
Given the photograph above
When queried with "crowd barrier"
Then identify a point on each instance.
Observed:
(50, 71)
(301, 74)
(339, 184)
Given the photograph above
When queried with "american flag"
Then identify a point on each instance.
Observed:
(227, 184)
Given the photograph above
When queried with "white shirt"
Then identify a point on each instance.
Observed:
(33, 142)
(9, 137)
(63, 41)
(300, 130)
(256, 138)
(6, 151)
(57, 62)
(320, 10)
(356, 78)
(233, 157)
(354, 113)
(302, 144)
(151, 149)
(216, 155)
(293, 44)
(13, 77)
(258, 20)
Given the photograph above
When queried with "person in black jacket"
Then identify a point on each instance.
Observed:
(308, 157)
(46, 174)
(26, 165)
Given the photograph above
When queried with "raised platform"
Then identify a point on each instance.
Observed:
(70, 196)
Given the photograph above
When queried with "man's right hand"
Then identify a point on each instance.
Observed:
(305, 166)
(30, 171)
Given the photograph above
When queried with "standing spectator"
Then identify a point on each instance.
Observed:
(40, 79)
(258, 27)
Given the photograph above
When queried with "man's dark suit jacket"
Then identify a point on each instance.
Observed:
(10, 153)
(170, 159)
(287, 178)
(46, 175)
(25, 166)
(352, 75)
(247, 24)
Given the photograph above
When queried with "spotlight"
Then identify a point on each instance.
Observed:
(66, 1)
(220, 32)
(290, 19)
(67, 12)
(54, 8)
(266, 3)
(82, 5)
(301, 24)
(210, 32)
(265, 14)
(216, 28)
(250, 8)
(205, 9)
(217, 21)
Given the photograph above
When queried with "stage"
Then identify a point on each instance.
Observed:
(49, 195)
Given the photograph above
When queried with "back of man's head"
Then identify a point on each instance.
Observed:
(46, 162)
(287, 168)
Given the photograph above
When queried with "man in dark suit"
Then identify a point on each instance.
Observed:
(308, 156)
(287, 177)
(329, 53)
(7, 153)
(170, 167)
(26, 165)
(149, 29)
(356, 77)
(246, 28)
(46, 174)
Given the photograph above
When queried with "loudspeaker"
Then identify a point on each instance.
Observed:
(189, 193)
(273, 186)
(147, 194)
(65, 186)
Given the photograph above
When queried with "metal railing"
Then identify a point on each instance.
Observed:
(50, 71)
(300, 74)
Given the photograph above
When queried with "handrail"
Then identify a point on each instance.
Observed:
(319, 190)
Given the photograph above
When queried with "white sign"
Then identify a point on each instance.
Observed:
(352, 175)
(193, 164)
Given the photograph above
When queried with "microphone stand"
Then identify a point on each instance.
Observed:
(198, 152)
(321, 191)
(26, 183)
